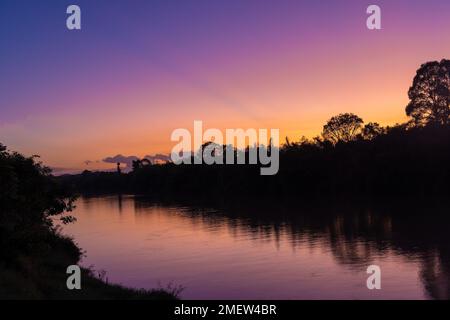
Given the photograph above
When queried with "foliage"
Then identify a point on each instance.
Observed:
(430, 94)
(30, 199)
(34, 255)
(394, 161)
(344, 127)
(372, 130)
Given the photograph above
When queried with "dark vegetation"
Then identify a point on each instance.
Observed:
(349, 158)
(398, 162)
(34, 256)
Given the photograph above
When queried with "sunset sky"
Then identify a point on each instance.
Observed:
(140, 69)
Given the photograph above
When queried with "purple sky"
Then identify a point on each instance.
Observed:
(139, 69)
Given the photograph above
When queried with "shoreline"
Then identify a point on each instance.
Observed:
(42, 276)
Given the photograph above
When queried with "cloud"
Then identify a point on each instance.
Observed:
(158, 158)
(128, 160)
(59, 171)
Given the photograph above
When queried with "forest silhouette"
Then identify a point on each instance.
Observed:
(348, 158)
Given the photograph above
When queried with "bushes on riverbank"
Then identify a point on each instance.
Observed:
(34, 256)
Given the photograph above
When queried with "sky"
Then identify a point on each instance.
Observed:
(137, 70)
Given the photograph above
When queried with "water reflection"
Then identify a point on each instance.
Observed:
(269, 252)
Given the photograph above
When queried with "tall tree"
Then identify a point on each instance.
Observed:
(342, 128)
(430, 94)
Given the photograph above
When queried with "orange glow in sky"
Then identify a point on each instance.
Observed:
(76, 97)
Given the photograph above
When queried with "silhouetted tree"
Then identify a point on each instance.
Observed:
(211, 148)
(30, 200)
(136, 164)
(372, 130)
(430, 94)
(344, 127)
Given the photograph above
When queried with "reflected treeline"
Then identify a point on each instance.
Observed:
(356, 233)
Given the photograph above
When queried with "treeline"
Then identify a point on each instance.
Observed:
(349, 157)
(396, 161)
(34, 255)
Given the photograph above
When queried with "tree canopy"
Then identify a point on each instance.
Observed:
(430, 94)
(344, 127)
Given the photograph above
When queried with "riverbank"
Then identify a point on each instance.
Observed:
(34, 256)
(41, 274)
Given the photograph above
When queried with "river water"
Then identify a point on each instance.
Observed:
(264, 253)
